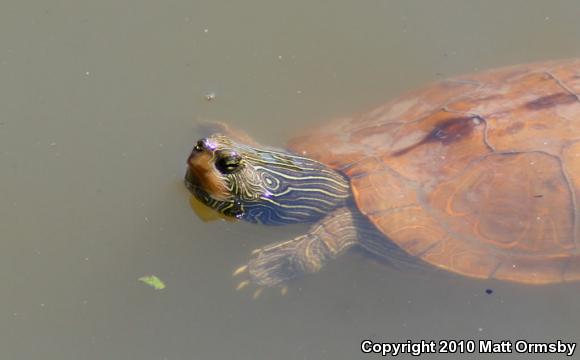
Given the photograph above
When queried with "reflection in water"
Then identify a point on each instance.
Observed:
(205, 213)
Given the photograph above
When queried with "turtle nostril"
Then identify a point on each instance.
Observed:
(199, 146)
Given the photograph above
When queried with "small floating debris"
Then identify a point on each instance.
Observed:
(153, 281)
(210, 96)
(489, 291)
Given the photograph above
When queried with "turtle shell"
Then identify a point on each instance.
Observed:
(479, 174)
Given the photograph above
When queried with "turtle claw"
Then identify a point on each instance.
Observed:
(270, 267)
(260, 289)
(240, 270)
(242, 285)
(257, 293)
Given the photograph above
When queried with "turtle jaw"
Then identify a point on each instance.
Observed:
(201, 173)
(225, 205)
(191, 182)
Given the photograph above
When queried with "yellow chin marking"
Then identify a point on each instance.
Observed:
(205, 213)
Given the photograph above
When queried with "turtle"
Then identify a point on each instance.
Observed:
(478, 175)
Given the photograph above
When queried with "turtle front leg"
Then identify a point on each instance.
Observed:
(306, 254)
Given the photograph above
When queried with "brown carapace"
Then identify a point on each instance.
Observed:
(479, 174)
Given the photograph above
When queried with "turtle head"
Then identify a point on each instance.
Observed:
(262, 185)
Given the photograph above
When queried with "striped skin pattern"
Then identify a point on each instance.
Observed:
(268, 186)
(306, 254)
(326, 240)
(273, 187)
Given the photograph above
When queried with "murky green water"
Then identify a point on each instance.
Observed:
(98, 102)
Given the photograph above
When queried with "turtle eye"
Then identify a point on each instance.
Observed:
(228, 162)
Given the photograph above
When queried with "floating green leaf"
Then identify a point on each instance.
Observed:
(153, 281)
